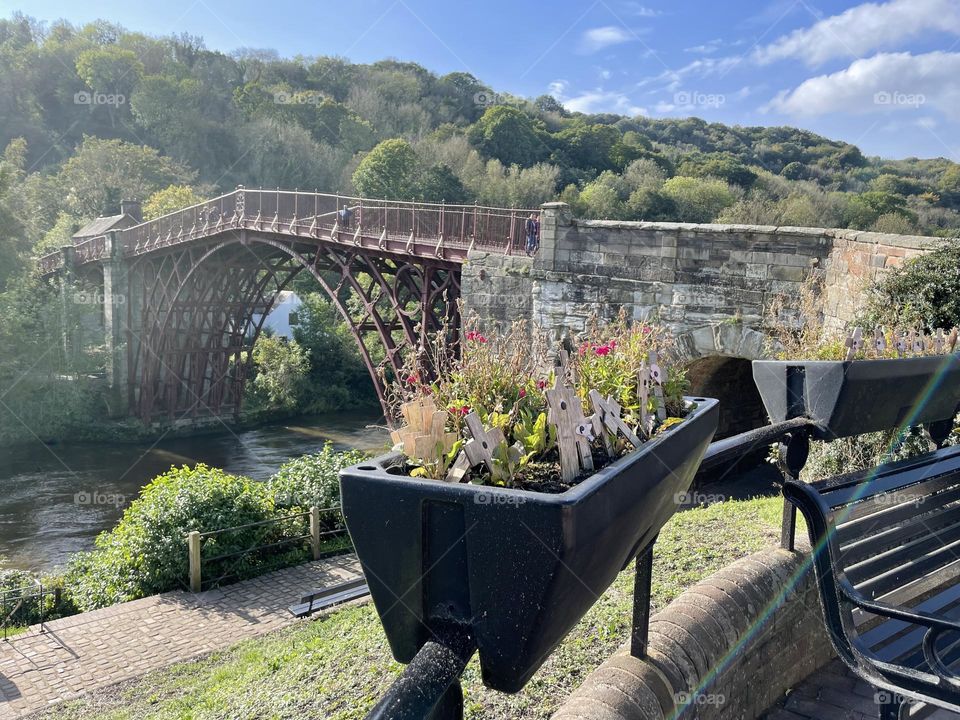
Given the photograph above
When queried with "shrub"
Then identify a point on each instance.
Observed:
(923, 292)
(146, 553)
(313, 480)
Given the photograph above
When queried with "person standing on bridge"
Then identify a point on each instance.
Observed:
(533, 233)
(345, 217)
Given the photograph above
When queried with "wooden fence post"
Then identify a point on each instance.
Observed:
(193, 544)
(315, 531)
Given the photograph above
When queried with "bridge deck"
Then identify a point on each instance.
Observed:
(414, 229)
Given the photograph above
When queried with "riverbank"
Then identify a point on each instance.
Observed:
(58, 498)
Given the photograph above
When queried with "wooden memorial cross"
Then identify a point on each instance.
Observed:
(424, 436)
(901, 343)
(854, 343)
(566, 414)
(879, 342)
(952, 340)
(938, 342)
(481, 448)
(607, 420)
(656, 378)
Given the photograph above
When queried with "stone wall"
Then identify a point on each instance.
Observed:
(710, 284)
(726, 649)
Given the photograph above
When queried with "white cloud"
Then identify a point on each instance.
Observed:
(708, 48)
(603, 37)
(882, 83)
(862, 29)
(635, 8)
(594, 101)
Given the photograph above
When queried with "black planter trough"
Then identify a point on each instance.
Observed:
(851, 398)
(512, 570)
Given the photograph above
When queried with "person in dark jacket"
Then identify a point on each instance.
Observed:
(532, 229)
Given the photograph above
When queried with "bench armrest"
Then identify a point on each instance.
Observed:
(934, 624)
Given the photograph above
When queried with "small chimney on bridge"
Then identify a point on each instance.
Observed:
(132, 208)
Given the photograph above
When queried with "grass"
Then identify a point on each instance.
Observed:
(337, 666)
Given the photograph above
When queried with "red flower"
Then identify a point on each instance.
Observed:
(613, 344)
(646, 330)
(463, 410)
(412, 379)
(541, 384)
(473, 335)
(523, 392)
(602, 350)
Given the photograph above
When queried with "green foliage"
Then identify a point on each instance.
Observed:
(387, 171)
(923, 292)
(504, 380)
(337, 377)
(697, 199)
(146, 553)
(103, 172)
(509, 135)
(282, 367)
(168, 200)
(314, 480)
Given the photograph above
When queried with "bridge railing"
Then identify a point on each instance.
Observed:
(312, 214)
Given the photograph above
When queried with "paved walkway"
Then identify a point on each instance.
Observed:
(93, 650)
(835, 693)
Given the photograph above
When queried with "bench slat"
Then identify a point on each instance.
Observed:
(912, 570)
(879, 553)
(888, 509)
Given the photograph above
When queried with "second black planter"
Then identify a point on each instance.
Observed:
(852, 398)
(516, 570)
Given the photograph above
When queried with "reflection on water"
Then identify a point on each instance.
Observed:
(55, 500)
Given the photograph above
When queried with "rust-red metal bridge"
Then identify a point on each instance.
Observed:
(185, 296)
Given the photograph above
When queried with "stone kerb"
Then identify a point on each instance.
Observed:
(725, 649)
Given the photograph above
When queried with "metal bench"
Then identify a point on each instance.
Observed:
(322, 598)
(886, 549)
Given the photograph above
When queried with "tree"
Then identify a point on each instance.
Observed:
(698, 199)
(168, 200)
(439, 183)
(106, 171)
(282, 367)
(508, 135)
(865, 209)
(387, 171)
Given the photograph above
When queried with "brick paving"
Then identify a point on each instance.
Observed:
(92, 650)
(835, 693)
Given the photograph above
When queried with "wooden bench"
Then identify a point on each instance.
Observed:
(886, 550)
(322, 598)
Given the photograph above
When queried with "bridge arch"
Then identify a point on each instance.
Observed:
(198, 308)
(718, 360)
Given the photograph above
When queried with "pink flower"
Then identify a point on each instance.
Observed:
(523, 392)
(412, 379)
(463, 410)
(541, 384)
(473, 335)
(602, 350)
(646, 330)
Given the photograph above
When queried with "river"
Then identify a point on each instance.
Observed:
(55, 500)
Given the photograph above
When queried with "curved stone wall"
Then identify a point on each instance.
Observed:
(725, 649)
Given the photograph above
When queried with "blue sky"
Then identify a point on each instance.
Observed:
(883, 75)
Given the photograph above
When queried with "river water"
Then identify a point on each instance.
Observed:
(55, 500)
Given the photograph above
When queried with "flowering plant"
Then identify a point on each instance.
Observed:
(504, 379)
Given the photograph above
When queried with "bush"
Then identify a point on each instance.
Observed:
(146, 553)
(313, 480)
(923, 292)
